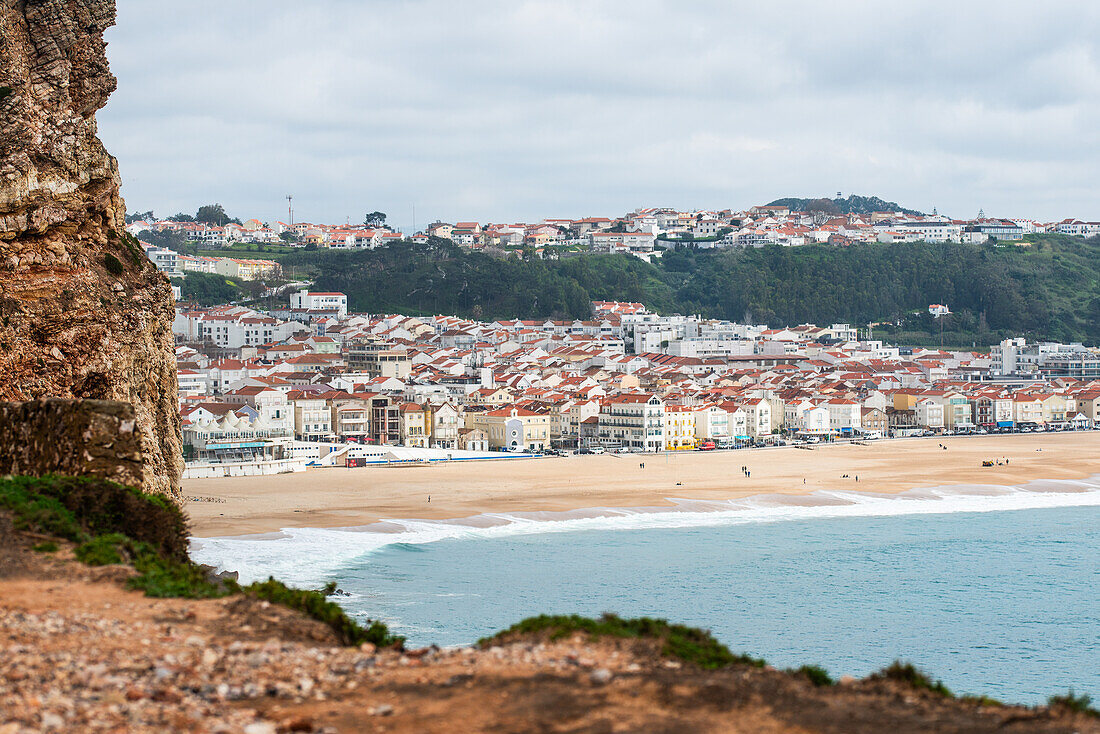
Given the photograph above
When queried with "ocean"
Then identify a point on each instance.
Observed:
(994, 590)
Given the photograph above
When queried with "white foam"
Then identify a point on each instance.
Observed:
(307, 556)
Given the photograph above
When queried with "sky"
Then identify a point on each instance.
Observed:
(518, 111)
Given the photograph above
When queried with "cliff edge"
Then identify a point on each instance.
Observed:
(83, 313)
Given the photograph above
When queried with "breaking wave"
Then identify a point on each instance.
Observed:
(307, 556)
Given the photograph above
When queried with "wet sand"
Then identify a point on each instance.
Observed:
(337, 497)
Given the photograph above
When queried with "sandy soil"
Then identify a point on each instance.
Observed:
(338, 497)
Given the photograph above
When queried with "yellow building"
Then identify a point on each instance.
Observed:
(679, 427)
(414, 425)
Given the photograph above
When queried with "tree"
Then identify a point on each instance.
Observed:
(142, 217)
(168, 238)
(212, 214)
(181, 217)
(375, 219)
(824, 206)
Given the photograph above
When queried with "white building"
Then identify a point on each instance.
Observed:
(306, 301)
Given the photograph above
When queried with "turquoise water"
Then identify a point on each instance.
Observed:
(1003, 603)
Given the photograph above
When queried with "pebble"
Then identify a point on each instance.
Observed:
(382, 709)
(600, 676)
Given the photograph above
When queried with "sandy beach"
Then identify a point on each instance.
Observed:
(337, 497)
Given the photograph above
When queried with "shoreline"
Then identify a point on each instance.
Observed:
(339, 497)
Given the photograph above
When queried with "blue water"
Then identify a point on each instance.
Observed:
(1004, 603)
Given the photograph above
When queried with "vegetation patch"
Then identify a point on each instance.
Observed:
(816, 675)
(113, 264)
(208, 289)
(46, 546)
(113, 524)
(913, 676)
(1045, 290)
(1081, 704)
(689, 644)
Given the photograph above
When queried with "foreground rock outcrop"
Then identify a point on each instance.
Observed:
(97, 438)
(83, 313)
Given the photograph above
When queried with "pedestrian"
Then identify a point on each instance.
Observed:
(429, 499)
(857, 477)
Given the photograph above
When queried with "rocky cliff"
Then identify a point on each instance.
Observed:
(83, 314)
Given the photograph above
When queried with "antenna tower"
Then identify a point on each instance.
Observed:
(290, 208)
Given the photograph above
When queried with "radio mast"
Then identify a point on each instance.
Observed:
(290, 208)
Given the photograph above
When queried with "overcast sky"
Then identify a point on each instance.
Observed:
(516, 111)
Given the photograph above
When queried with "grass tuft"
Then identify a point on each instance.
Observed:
(816, 675)
(914, 676)
(689, 644)
(47, 546)
(1081, 704)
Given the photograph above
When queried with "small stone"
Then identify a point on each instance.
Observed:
(382, 709)
(209, 657)
(306, 685)
(260, 727)
(194, 641)
(367, 648)
(52, 721)
(600, 676)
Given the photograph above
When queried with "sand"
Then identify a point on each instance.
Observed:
(339, 497)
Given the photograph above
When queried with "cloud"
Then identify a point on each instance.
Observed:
(526, 109)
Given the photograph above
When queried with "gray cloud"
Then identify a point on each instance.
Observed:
(520, 110)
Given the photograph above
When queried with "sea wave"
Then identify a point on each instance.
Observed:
(307, 556)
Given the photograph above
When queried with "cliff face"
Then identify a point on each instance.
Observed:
(83, 313)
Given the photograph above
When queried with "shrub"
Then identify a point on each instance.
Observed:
(910, 674)
(1082, 704)
(315, 605)
(104, 550)
(116, 524)
(79, 508)
(113, 264)
(47, 546)
(685, 643)
(816, 675)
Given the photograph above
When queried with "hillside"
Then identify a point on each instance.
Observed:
(86, 649)
(853, 204)
(1049, 288)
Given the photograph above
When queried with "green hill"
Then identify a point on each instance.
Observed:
(854, 204)
(1046, 288)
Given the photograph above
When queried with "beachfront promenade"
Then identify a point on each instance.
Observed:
(337, 497)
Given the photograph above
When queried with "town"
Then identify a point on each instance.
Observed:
(644, 233)
(309, 383)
